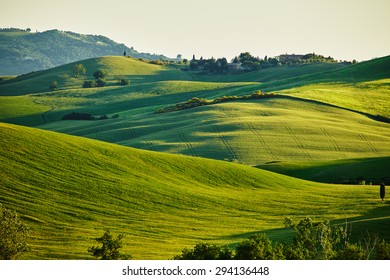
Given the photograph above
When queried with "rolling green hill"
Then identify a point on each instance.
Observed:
(69, 189)
(328, 118)
(115, 65)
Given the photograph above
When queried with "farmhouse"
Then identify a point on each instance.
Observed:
(289, 57)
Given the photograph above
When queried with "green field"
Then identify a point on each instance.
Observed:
(327, 124)
(68, 190)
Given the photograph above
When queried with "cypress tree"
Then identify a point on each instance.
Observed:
(382, 191)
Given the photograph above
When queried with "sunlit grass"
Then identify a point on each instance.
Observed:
(68, 190)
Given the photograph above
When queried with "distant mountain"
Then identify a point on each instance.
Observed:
(23, 51)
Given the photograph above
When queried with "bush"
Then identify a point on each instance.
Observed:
(124, 82)
(78, 116)
(100, 74)
(89, 84)
(53, 86)
(205, 252)
(259, 247)
(13, 235)
(100, 82)
(351, 252)
(110, 247)
(383, 250)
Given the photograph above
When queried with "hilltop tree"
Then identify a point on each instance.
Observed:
(110, 247)
(79, 69)
(382, 191)
(13, 235)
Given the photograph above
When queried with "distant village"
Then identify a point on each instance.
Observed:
(247, 62)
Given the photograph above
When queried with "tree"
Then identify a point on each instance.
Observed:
(13, 235)
(204, 251)
(100, 74)
(89, 84)
(382, 191)
(53, 85)
(258, 247)
(315, 241)
(79, 69)
(122, 80)
(100, 82)
(110, 247)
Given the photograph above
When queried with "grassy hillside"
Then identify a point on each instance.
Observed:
(39, 81)
(69, 189)
(370, 97)
(22, 51)
(319, 125)
(251, 132)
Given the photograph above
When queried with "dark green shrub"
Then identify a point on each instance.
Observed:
(204, 251)
(383, 250)
(351, 252)
(124, 82)
(258, 247)
(78, 116)
(53, 86)
(100, 74)
(110, 247)
(100, 82)
(89, 84)
(13, 235)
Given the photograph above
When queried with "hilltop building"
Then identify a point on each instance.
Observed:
(289, 57)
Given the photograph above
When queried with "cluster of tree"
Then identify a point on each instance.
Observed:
(312, 241)
(87, 117)
(251, 63)
(99, 81)
(286, 59)
(247, 62)
(160, 61)
(196, 102)
(211, 65)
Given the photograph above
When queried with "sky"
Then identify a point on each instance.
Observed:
(343, 29)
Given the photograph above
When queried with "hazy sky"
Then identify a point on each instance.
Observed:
(343, 29)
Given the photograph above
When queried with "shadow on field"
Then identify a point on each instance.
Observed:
(376, 221)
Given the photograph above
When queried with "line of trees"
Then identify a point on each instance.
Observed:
(312, 241)
(248, 62)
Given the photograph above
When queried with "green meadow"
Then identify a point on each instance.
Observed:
(215, 173)
(69, 189)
